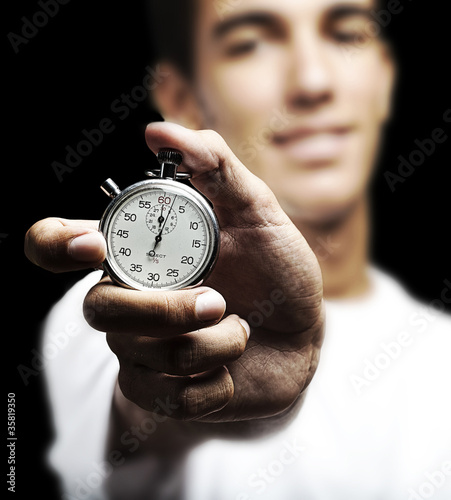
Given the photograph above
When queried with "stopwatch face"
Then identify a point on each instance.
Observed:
(160, 235)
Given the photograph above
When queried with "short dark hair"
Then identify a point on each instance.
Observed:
(172, 27)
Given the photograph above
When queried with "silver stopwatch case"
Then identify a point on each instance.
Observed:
(161, 234)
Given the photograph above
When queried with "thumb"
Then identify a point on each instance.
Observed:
(215, 170)
(60, 245)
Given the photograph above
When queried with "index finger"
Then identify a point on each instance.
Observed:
(60, 245)
(215, 169)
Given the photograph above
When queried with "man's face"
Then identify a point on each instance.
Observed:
(299, 90)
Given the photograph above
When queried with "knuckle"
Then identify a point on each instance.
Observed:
(216, 144)
(38, 248)
(95, 306)
(163, 307)
(183, 355)
(211, 136)
(29, 243)
(172, 309)
(189, 402)
(114, 343)
(237, 344)
(124, 380)
(195, 401)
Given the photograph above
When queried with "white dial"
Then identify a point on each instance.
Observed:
(160, 235)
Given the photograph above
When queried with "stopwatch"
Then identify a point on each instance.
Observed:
(161, 234)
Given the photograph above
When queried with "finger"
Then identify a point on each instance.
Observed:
(60, 245)
(183, 398)
(114, 309)
(186, 354)
(215, 170)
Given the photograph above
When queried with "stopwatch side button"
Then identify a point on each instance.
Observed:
(110, 188)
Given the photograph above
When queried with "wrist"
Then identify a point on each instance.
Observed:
(134, 430)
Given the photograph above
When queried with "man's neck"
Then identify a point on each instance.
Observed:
(341, 248)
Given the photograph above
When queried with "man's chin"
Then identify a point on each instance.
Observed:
(320, 212)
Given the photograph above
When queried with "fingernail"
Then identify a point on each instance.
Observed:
(210, 305)
(89, 247)
(246, 326)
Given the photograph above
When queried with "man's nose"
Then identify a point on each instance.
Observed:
(310, 75)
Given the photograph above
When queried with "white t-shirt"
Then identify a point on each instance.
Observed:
(375, 423)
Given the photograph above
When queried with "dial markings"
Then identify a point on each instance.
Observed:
(159, 238)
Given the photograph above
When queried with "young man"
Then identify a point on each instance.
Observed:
(275, 80)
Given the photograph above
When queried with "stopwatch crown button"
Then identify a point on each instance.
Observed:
(170, 156)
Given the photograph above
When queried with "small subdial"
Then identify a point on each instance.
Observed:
(161, 219)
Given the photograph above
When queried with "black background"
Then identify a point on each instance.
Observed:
(66, 78)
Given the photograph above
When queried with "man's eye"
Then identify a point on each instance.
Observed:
(350, 30)
(241, 48)
(346, 36)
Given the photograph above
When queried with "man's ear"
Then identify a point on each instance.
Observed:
(175, 100)
(387, 81)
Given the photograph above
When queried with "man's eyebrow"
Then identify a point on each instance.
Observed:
(338, 12)
(261, 19)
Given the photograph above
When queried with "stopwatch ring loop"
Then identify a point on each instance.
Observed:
(157, 173)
